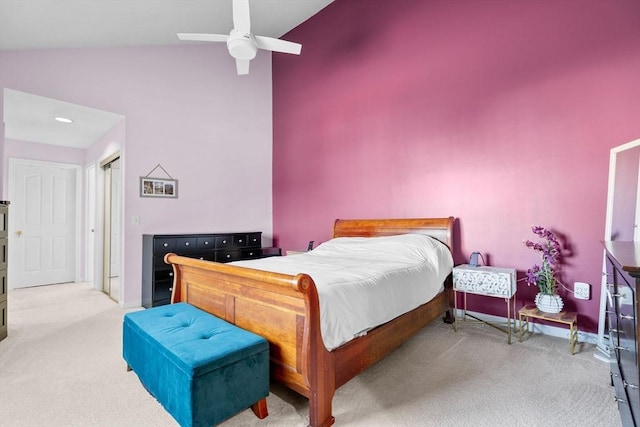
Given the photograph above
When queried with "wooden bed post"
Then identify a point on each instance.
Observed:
(320, 368)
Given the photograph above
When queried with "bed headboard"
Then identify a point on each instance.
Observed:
(439, 228)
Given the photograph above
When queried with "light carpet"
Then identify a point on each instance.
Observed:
(62, 365)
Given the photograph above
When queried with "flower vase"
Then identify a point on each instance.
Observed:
(549, 303)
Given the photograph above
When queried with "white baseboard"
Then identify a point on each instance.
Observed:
(554, 331)
(131, 304)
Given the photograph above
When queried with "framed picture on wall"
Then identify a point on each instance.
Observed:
(158, 187)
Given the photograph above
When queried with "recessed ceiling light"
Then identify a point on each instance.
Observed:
(63, 120)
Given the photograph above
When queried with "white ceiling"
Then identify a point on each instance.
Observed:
(31, 117)
(47, 24)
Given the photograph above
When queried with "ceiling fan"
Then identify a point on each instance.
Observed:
(241, 43)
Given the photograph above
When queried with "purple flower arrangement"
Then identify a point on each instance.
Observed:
(545, 276)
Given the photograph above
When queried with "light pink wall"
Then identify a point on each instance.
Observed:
(186, 109)
(43, 152)
(501, 114)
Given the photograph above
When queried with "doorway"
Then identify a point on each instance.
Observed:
(112, 226)
(43, 226)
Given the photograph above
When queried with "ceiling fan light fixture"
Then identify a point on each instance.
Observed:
(63, 119)
(241, 46)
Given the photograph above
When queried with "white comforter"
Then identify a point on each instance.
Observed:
(364, 282)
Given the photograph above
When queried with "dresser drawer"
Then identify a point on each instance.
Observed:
(250, 253)
(205, 243)
(3, 319)
(162, 290)
(3, 285)
(4, 220)
(205, 255)
(254, 240)
(622, 400)
(163, 275)
(228, 256)
(4, 253)
(164, 245)
(186, 245)
(224, 241)
(488, 281)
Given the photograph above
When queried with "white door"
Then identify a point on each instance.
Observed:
(43, 220)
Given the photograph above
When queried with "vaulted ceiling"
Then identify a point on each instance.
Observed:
(48, 24)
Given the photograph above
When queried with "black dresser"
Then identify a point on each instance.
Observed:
(157, 276)
(623, 276)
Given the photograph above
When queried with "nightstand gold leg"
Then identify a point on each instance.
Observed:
(573, 337)
(508, 320)
(455, 311)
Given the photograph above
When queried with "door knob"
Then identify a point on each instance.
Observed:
(19, 233)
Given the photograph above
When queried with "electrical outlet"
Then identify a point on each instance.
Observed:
(581, 290)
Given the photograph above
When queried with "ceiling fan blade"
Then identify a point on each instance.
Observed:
(198, 37)
(242, 65)
(277, 45)
(241, 16)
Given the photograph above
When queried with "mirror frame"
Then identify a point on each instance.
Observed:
(603, 347)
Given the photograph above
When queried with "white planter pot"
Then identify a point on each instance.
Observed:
(549, 303)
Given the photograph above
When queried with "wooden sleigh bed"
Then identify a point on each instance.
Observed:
(285, 310)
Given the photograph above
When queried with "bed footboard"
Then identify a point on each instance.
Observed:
(282, 308)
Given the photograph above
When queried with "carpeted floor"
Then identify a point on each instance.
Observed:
(62, 366)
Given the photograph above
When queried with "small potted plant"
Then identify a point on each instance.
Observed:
(546, 275)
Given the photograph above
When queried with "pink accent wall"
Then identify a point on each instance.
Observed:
(186, 109)
(501, 114)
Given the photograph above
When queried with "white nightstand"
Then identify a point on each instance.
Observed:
(488, 281)
(294, 252)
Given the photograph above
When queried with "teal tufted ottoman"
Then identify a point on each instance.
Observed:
(202, 369)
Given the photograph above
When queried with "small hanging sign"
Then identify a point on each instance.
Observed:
(158, 187)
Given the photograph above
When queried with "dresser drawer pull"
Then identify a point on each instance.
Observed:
(228, 256)
(206, 242)
(626, 384)
(616, 295)
(186, 243)
(165, 244)
(619, 347)
(250, 253)
(171, 274)
(224, 242)
(615, 331)
(628, 316)
(170, 289)
(617, 399)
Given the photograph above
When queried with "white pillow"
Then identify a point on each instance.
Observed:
(402, 247)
